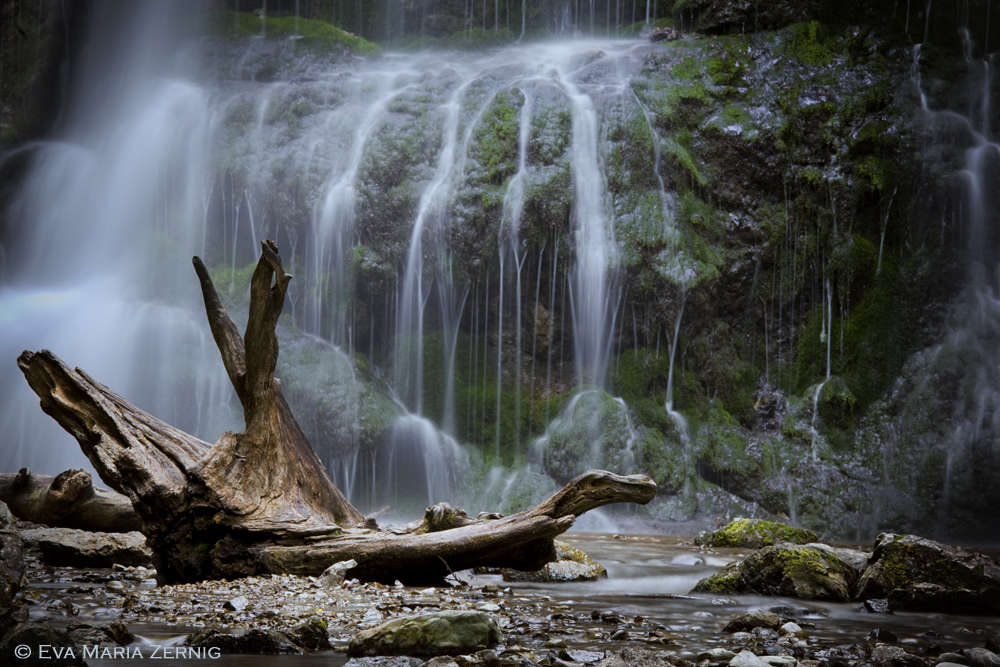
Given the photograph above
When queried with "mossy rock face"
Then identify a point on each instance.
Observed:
(719, 16)
(573, 565)
(429, 635)
(754, 534)
(811, 572)
(594, 431)
(919, 574)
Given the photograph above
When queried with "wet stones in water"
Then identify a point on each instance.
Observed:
(12, 569)
(754, 534)
(34, 636)
(953, 658)
(81, 548)
(758, 618)
(385, 661)
(100, 633)
(637, 657)
(894, 656)
(746, 659)
(993, 642)
(876, 607)
(237, 604)
(716, 656)
(981, 657)
(333, 576)
(918, 574)
(257, 642)
(429, 635)
(882, 635)
(313, 634)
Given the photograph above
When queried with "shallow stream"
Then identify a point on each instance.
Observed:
(648, 584)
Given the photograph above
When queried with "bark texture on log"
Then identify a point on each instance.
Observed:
(261, 500)
(68, 500)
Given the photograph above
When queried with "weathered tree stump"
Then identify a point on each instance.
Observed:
(68, 500)
(261, 500)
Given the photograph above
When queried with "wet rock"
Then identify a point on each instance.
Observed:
(11, 617)
(981, 657)
(12, 573)
(81, 548)
(314, 635)
(894, 656)
(100, 633)
(637, 657)
(779, 660)
(620, 636)
(7, 520)
(257, 642)
(572, 565)
(918, 574)
(721, 16)
(716, 655)
(47, 645)
(334, 575)
(882, 635)
(585, 657)
(758, 618)
(486, 658)
(876, 607)
(238, 603)
(993, 642)
(746, 659)
(385, 661)
(429, 635)
(441, 661)
(956, 658)
(793, 629)
(754, 534)
(812, 572)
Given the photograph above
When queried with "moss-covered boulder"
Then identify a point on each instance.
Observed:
(811, 572)
(918, 574)
(754, 534)
(428, 635)
(572, 565)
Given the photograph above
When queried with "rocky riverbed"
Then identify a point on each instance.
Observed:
(642, 614)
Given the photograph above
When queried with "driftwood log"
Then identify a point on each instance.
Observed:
(68, 500)
(261, 501)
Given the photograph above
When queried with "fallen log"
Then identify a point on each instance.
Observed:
(68, 500)
(261, 501)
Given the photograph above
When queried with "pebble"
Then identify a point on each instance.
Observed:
(746, 659)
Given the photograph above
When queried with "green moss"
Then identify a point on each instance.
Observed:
(724, 582)
(754, 534)
(806, 43)
(314, 35)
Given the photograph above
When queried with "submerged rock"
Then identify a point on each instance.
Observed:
(754, 534)
(428, 635)
(100, 633)
(572, 565)
(758, 618)
(38, 643)
(81, 548)
(812, 571)
(918, 574)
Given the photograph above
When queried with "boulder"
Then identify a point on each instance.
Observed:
(981, 657)
(754, 534)
(572, 564)
(758, 618)
(722, 16)
(12, 575)
(918, 574)
(45, 646)
(314, 635)
(810, 571)
(81, 548)
(257, 642)
(7, 520)
(100, 633)
(638, 657)
(334, 575)
(429, 635)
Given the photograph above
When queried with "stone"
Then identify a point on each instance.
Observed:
(385, 661)
(12, 569)
(746, 659)
(103, 633)
(793, 629)
(981, 657)
(7, 520)
(37, 635)
(952, 657)
(429, 635)
(314, 635)
(758, 618)
(993, 642)
(237, 604)
(716, 655)
(637, 657)
(256, 642)
(810, 571)
(876, 607)
(81, 548)
(918, 574)
(754, 534)
(722, 16)
(894, 656)
(441, 661)
(585, 657)
(334, 575)
(779, 660)
(572, 565)
(882, 635)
